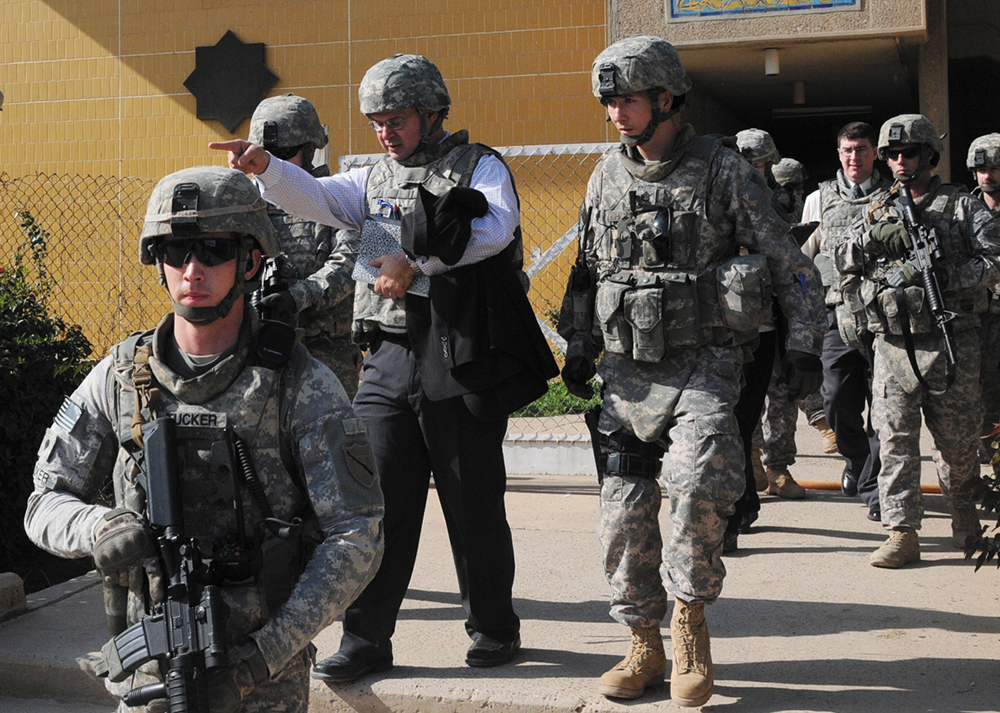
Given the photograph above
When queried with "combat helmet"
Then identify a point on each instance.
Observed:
(641, 63)
(984, 152)
(910, 129)
(789, 172)
(757, 146)
(207, 199)
(286, 122)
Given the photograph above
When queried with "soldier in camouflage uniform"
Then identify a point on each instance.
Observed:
(847, 359)
(913, 375)
(318, 260)
(791, 175)
(984, 162)
(777, 437)
(441, 375)
(661, 287)
(205, 230)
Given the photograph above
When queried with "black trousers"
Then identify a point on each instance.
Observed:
(846, 391)
(411, 438)
(756, 378)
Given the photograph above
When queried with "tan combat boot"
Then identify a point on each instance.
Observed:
(902, 548)
(828, 434)
(758, 470)
(692, 677)
(644, 665)
(781, 483)
(964, 524)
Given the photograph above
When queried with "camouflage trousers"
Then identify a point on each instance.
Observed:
(288, 692)
(340, 354)
(703, 479)
(953, 418)
(779, 421)
(989, 372)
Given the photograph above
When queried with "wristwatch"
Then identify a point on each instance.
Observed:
(415, 266)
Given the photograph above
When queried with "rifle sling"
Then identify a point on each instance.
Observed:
(911, 354)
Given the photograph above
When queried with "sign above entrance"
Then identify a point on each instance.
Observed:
(736, 9)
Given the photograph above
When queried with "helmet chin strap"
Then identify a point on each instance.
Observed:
(426, 132)
(658, 118)
(206, 315)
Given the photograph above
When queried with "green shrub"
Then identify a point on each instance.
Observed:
(557, 402)
(42, 360)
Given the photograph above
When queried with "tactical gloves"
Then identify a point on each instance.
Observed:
(120, 542)
(280, 306)
(803, 373)
(890, 238)
(229, 687)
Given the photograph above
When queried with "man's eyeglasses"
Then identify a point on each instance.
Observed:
(857, 150)
(908, 153)
(394, 124)
(209, 251)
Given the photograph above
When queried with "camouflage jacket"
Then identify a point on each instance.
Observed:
(719, 207)
(317, 269)
(969, 240)
(299, 427)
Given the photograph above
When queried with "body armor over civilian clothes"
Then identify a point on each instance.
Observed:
(676, 308)
(317, 270)
(305, 443)
(970, 250)
(847, 351)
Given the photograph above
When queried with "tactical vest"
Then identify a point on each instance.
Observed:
(256, 570)
(658, 286)
(887, 307)
(449, 164)
(838, 210)
(307, 246)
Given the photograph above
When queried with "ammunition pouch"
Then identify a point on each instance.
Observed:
(642, 314)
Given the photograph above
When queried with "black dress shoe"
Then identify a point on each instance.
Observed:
(849, 484)
(346, 666)
(875, 515)
(746, 522)
(730, 542)
(487, 651)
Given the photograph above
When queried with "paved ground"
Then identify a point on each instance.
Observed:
(804, 623)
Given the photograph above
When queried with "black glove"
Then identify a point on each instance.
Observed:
(461, 202)
(892, 238)
(229, 687)
(803, 373)
(576, 375)
(120, 543)
(280, 307)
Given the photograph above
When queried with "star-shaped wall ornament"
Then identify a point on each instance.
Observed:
(229, 80)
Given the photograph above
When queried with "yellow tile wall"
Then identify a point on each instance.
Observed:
(95, 87)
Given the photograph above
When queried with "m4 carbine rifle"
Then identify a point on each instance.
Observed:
(186, 633)
(922, 254)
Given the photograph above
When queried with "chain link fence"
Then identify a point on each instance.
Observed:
(92, 224)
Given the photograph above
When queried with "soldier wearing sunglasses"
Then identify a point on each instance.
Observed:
(913, 375)
(288, 548)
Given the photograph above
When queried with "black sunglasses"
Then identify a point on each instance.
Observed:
(209, 251)
(908, 152)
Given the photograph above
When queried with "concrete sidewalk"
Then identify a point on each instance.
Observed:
(804, 623)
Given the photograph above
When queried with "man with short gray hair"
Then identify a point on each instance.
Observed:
(453, 347)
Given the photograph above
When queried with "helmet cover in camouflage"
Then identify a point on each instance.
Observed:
(638, 64)
(295, 121)
(402, 81)
(757, 146)
(206, 199)
(908, 129)
(984, 152)
(788, 171)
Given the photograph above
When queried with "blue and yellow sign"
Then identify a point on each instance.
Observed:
(718, 9)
